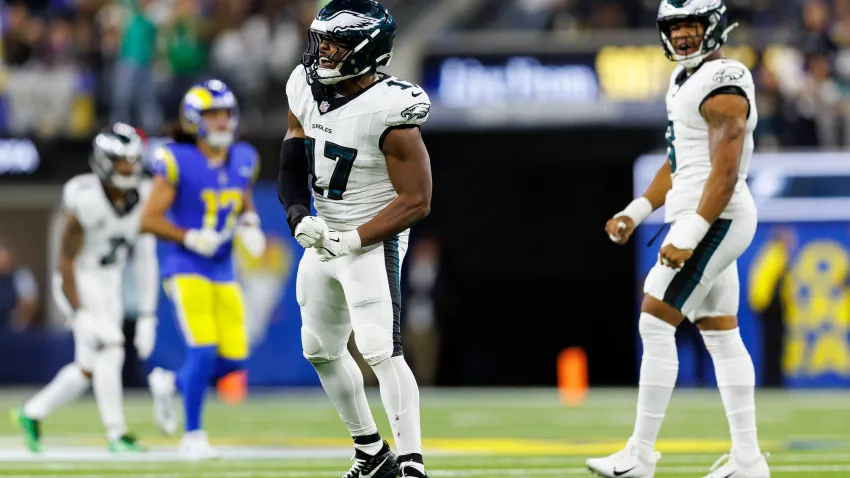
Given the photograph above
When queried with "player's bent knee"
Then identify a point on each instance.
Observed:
(315, 351)
(653, 329)
(374, 343)
(722, 323)
(661, 310)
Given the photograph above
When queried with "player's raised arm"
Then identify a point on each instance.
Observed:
(292, 190)
(409, 168)
(726, 115)
(72, 242)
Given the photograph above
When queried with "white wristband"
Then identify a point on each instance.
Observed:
(688, 231)
(353, 239)
(637, 210)
(249, 218)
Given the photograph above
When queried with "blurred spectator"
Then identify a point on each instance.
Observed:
(563, 18)
(820, 100)
(20, 34)
(815, 34)
(185, 45)
(767, 278)
(421, 335)
(18, 293)
(133, 87)
(137, 57)
(239, 52)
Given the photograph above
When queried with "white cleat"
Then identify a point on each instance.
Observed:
(626, 463)
(195, 446)
(163, 389)
(728, 467)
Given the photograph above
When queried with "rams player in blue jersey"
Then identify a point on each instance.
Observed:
(201, 199)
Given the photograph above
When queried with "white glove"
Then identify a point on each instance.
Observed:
(337, 244)
(248, 230)
(145, 335)
(310, 231)
(203, 241)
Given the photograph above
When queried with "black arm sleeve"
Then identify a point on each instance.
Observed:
(292, 190)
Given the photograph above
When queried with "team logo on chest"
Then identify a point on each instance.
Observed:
(324, 106)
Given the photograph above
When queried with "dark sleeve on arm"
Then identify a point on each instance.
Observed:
(726, 90)
(292, 181)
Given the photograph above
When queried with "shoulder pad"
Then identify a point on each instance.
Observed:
(410, 104)
(166, 164)
(247, 156)
(75, 190)
(720, 73)
(295, 87)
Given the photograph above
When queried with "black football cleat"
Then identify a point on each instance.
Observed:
(382, 465)
(411, 469)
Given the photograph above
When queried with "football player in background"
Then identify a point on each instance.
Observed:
(712, 114)
(201, 198)
(103, 211)
(355, 132)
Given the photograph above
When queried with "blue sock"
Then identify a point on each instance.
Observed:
(224, 366)
(192, 382)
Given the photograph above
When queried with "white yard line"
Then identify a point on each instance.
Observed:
(519, 472)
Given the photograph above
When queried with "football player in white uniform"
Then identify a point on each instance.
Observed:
(711, 110)
(103, 211)
(355, 132)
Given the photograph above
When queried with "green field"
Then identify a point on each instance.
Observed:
(470, 433)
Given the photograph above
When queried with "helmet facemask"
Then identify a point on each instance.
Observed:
(343, 62)
(714, 35)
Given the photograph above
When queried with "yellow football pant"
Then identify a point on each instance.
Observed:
(210, 313)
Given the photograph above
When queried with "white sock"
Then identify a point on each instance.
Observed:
(736, 379)
(108, 391)
(658, 372)
(67, 385)
(400, 395)
(343, 382)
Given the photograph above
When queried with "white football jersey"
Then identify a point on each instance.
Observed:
(344, 143)
(110, 233)
(687, 136)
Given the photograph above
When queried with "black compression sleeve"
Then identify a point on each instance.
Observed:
(292, 189)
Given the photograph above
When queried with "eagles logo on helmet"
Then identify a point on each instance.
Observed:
(117, 156)
(348, 38)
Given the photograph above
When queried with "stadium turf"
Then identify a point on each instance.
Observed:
(469, 433)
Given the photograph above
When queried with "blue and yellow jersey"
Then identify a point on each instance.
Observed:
(206, 196)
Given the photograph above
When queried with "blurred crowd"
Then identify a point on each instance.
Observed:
(803, 79)
(71, 65)
(131, 60)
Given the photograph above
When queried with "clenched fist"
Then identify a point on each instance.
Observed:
(620, 229)
(673, 257)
